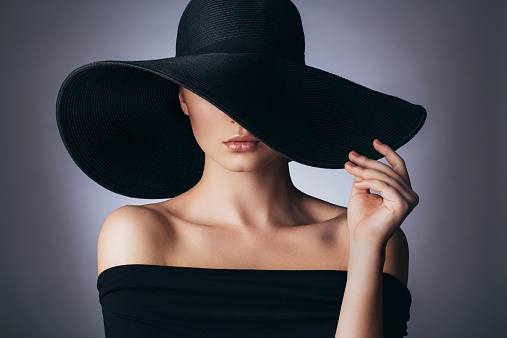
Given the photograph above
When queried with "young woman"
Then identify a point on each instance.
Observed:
(238, 250)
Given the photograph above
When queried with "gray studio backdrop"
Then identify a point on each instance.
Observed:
(446, 55)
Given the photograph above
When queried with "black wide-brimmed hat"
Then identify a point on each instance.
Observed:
(122, 123)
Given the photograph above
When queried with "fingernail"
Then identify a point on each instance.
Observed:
(379, 142)
(354, 153)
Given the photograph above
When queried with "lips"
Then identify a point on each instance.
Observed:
(241, 146)
(242, 138)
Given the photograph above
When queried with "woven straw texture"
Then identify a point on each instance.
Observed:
(122, 124)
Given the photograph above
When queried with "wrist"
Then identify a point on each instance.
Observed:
(366, 254)
(367, 244)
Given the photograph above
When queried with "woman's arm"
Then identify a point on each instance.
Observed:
(363, 294)
(372, 221)
(361, 309)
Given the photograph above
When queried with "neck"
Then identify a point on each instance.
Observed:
(261, 199)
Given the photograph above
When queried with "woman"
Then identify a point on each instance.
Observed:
(240, 251)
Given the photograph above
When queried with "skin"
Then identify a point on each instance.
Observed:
(372, 220)
(251, 189)
(246, 211)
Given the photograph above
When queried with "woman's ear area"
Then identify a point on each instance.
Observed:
(183, 103)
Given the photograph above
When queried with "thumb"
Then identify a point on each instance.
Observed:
(356, 190)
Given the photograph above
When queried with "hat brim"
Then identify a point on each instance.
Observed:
(122, 123)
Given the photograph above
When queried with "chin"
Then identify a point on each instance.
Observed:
(246, 162)
(243, 164)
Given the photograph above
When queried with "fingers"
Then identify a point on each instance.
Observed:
(397, 163)
(373, 174)
(350, 167)
(368, 169)
(365, 162)
(392, 198)
(369, 163)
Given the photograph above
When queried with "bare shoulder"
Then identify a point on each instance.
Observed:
(396, 262)
(320, 209)
(131, 235)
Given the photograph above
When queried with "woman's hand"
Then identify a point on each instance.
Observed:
(374, 218)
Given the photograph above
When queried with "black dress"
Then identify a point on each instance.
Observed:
(167, 301)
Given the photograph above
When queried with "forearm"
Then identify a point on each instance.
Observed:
(361, 309)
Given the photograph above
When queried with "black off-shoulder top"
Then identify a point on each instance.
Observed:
(168, 301)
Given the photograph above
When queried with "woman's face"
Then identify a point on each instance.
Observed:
(212, 128)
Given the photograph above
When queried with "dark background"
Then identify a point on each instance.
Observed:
(448, 56)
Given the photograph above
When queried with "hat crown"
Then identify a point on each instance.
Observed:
(236, 26)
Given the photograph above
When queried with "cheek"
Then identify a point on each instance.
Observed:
(206, 127)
